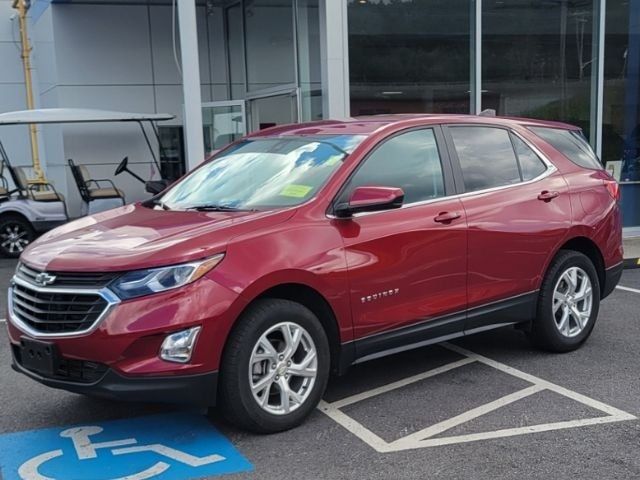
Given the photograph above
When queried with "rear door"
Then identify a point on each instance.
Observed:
(518, 209)
(407, 267)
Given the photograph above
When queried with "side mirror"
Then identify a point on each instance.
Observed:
(370, 199)
(155, 186)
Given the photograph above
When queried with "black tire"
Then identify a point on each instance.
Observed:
(16, 225)
(545, 333)
(235, 398)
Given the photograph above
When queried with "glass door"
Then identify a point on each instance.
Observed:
(223, 123)
(271, 110)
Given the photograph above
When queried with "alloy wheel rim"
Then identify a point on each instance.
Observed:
(283, 368)
(572, 301)
(14, 238)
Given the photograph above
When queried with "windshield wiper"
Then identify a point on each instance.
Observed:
(218, 208)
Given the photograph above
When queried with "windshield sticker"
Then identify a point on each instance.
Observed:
(296, 191)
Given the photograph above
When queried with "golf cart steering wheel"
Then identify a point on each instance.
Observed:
(123, 166)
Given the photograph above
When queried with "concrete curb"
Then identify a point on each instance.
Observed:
(631, 263)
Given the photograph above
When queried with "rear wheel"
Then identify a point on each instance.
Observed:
(15, 234)
(275, 367)
(568, 303)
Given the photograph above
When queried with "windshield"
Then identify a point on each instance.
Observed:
(263, 173)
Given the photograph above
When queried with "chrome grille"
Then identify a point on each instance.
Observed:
(49, 312)
(67, 279)
(56, 311)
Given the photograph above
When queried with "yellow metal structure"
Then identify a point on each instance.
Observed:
(21, 7)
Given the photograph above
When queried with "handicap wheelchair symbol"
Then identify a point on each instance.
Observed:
(86, 449)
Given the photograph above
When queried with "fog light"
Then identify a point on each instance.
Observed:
(179, 346)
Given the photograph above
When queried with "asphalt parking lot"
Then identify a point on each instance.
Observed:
(485, 407)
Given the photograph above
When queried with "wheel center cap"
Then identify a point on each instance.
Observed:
(282, 369)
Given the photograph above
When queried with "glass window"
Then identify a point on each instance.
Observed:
(410, 161)
(409, 56)
(263, 173)
(172, 158)
(621, 112)
(235, 51)
(538, 59)
(269, 43)
(531, 165)
(571, 144)
(486, 157)
(309, 71)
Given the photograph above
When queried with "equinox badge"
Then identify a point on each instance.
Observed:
(376, 296)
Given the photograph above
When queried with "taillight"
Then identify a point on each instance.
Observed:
(613, 188)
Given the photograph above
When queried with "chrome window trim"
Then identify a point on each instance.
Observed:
(110, 297)
(551, 168)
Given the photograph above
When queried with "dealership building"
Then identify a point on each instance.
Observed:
(261, 63)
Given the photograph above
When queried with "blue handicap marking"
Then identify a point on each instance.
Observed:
(164, 447)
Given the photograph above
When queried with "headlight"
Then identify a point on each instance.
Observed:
(145, 282)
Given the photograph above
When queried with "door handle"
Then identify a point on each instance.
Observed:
(446, 217)
(547, 196)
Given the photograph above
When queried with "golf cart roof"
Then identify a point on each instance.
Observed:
(77, 115)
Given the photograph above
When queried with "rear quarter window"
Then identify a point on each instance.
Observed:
(571, 144)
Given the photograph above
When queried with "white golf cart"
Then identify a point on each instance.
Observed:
(28, 207)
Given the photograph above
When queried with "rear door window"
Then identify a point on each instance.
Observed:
(571, 144)
(486, 156)
(530, 163)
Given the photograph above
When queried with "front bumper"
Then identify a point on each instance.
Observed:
(199, 389)
(119, 358)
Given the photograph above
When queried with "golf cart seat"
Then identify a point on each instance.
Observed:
(93, 189)
(4, 184)
(38, 191)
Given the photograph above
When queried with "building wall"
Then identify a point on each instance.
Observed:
(114, 57)
(120, 57)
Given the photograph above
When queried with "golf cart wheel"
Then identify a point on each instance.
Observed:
(15, 234)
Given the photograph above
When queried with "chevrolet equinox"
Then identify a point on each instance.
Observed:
(302, 249)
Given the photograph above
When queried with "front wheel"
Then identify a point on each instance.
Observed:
(275, 366)
(568, 303)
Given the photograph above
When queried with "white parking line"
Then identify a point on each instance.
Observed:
(424, 438)
(400, 383)
(468, 415)
(2, 320)
(628, 289)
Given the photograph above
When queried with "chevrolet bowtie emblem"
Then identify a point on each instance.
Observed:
(44, 279)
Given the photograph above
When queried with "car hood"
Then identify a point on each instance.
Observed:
(134, 237)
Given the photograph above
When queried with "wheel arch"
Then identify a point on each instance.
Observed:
(14, 213)
(313, 300)
(589, 248)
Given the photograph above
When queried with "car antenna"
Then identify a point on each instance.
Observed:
(487, 112)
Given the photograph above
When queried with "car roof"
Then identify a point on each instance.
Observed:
(369, 124)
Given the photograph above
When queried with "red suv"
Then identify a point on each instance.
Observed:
(300, 250)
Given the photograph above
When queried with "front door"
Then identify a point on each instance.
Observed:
(407, 267)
